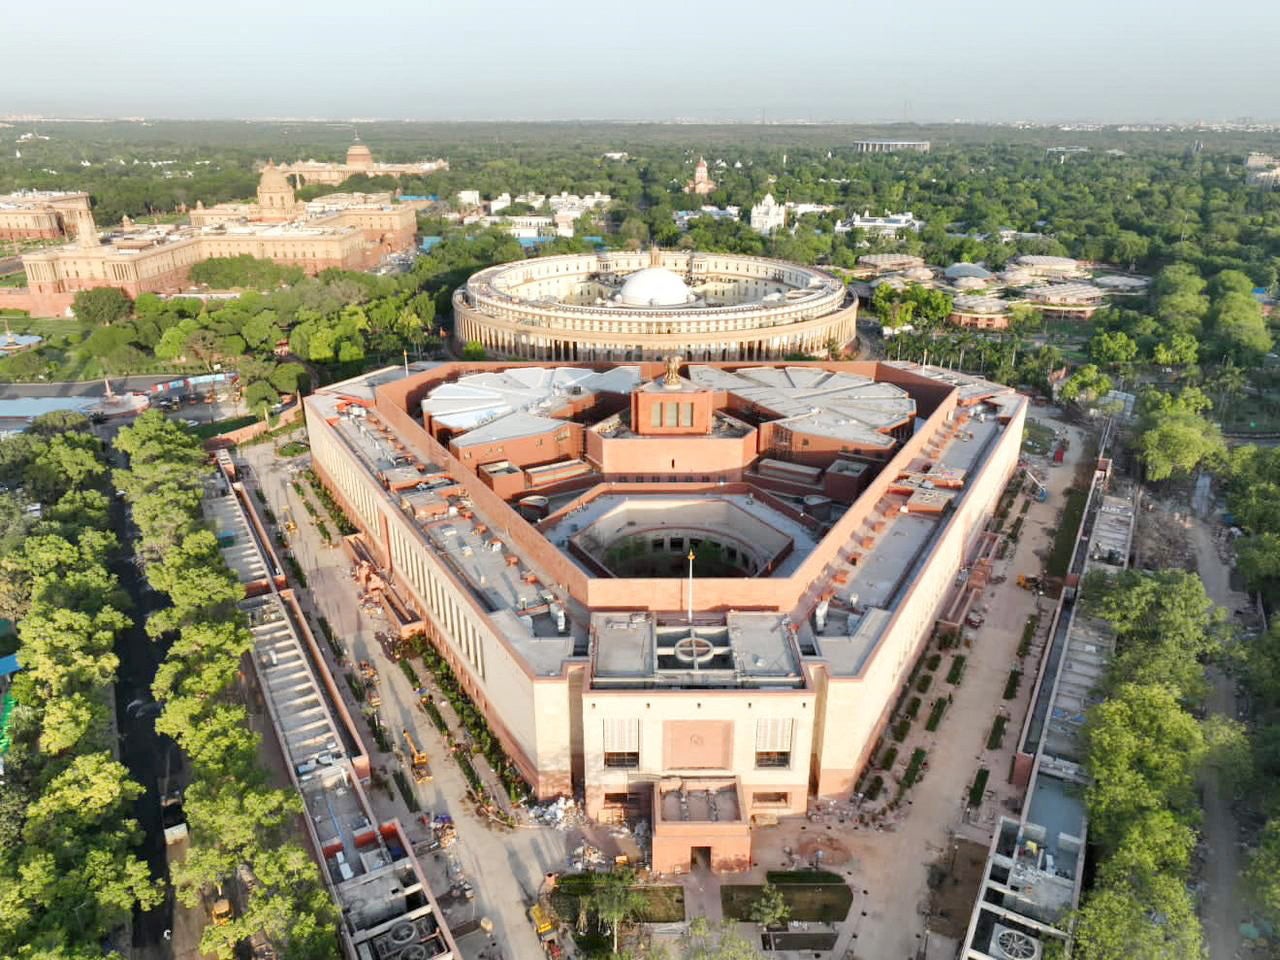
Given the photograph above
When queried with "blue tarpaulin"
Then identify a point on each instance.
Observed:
(9, 665)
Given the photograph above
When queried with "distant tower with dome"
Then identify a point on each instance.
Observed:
(701, 184)
(276, 199)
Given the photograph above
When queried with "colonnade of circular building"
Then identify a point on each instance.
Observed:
(644, 305)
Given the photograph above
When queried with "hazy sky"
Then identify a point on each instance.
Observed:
(644, 59)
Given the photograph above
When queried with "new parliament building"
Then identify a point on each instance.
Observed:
(688, 590)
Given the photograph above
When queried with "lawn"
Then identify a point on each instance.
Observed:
(662, 903)
(823, 901)
(1064, 540)
(206, 430)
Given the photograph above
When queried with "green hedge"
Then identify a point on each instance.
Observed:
(406, 791)
(922, 684)
(914, 767)
(890, 755)
(1028, 634)
(979, 787)
(874, 788)
(956, 673)
(996, 737)
(935, 714)
(1011, 685)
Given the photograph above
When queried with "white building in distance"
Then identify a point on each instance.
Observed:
(890, 225)
(683, 217)
(768, 215)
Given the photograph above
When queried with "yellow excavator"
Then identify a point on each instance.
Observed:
(418, 764)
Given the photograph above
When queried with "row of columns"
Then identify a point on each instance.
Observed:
(537, 347)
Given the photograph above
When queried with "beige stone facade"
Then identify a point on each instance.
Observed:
(354, 235)
(359, 162)
(621, 306)
(41, 214)
(535, 523)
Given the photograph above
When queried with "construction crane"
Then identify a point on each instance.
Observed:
(418, 764)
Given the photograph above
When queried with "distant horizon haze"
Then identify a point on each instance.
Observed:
(1132, 61)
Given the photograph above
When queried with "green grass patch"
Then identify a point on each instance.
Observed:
(662, 903)
(294, 448)
(1064, 540)
(935, 714)
(979, 786)
(468, 771)
(824, 902)
(295, 569)
(781, 878)
(914, 767)
(956, 673)
(1028, 634)
(357, 687)
(432, 711)
(1011, 685)
(205, 431)
(406, 790)
(411, 674)
(996, 737)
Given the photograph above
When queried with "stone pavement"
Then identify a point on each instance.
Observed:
(507, 866)
(889, 865)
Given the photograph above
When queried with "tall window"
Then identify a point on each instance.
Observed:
(622, 744)
(773, 743)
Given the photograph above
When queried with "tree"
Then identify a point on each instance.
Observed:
(1086, 385)
(1263, 872)
(1165, 625)
(1240, 328)
(1258, 558)
(615, 900)
(705, 941)
(1143, 753)
(473, 350)
(101, 306)
(1180, 350)
(1154, 922)
(1112, 348)
(770, 909)
(1175, 437)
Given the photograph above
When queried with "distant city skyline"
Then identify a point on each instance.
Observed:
(826, 61)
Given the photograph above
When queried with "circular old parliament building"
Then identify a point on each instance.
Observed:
(625, 305)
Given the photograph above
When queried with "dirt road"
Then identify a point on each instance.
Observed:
(1221, 912)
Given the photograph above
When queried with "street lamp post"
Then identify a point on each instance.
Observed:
(692, 557)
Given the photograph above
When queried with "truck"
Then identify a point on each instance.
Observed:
(542, 925)
(418, 763)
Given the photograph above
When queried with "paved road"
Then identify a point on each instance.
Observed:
(143, 750)
(1221, 911)
(78, 388)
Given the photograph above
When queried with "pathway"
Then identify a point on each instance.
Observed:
(506, 866)
(1221, 911)
(891, 866)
